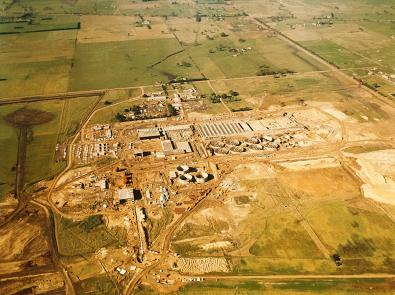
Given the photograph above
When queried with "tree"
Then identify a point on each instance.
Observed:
(171, 110)
(136, 109)
(233, 93)
(120, 117)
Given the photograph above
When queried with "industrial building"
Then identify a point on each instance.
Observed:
(148, 133)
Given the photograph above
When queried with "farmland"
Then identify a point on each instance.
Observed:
(40, 155)
(351, 36)
(129, 63)
(283, 287)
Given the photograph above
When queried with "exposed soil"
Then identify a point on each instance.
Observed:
(25, 117)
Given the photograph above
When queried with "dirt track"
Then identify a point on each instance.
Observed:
(54, 248)
(165, 247)
(299, 277)
(333, 68)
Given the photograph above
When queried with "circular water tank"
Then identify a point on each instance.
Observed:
(199, 178)
(253, 140)
(237, 149)
(182, 169)
(202, 177)
(205, 175)
(217, 144)
(234, 142)
(222, 151)
(189, 177)
(256, 147)
(183, 179)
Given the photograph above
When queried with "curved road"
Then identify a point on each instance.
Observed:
(165, 247)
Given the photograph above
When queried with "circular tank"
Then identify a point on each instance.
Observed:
(222, 151)
(271, 146)
(256, 147)
(217, 144)
(237, 149)
(201, 177)
(233, 142)
(189, 177)
(183, 179)
(182, 169)
(253, 140)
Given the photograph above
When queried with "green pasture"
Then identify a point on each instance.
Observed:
(129, 63)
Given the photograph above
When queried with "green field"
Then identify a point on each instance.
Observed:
(129, 63)
(36, 63)
(279, 242)
(60, 6)
(364, 238)
(283, 237)
(40, 155)
(359, 38)
(87, 236)
(98, 285)
(270, 53)
(297, 287)
(40, 150)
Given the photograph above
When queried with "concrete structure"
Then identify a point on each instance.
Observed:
(217, 144)
(148, 133)
(125, 194)
(182, 179)
(167, 146)
(184, 146)
(237, 149)
(202, 177)
(182, 169)
(103, 184)
(255, 147)
(221, 151)
(222, 128)
(186, 178)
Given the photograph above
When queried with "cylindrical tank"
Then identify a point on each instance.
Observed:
(183, 179)
(202, 177)
(268, 138)
(182, 169)
(233, 142)
(189, 177)
(222, 151)
(217, 144)
(253, 140)
(256, 147)
(237, 149)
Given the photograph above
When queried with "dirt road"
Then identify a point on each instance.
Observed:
(299, 277)
(331, 67)
(165, 247)
(54, 248)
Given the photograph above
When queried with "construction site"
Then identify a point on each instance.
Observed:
(186, 192)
